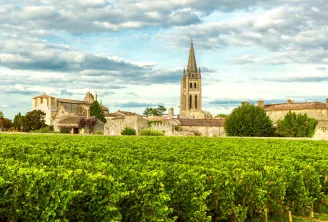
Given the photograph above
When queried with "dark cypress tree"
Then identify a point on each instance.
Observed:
(96, 111)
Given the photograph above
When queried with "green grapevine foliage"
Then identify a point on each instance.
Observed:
(90, 178)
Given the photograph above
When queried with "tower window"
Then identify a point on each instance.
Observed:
(190, 85)
(195, 85)
(195, 101)
(190, 102)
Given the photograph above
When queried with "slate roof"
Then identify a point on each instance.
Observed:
(295, 106)
(201, 122)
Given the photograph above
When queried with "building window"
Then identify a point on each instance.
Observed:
(190, 85)
(195, 85)
(41, 100)
(195, 101)
(190, 102)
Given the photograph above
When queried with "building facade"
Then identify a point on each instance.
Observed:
(191, 89)
(119, 120)
(315, 110)
(192, 120)
(64, 112)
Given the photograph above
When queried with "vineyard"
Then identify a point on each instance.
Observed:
(96, 178)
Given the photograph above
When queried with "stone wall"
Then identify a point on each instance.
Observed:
(114, 126)
(205, 130)
(318, 114)
(163, 126)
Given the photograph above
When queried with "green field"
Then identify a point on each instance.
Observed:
(97, 178)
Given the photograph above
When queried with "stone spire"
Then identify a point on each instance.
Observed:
(192, 66)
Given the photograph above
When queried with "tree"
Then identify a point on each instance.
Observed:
(6, 124)
(248, 120)
(96, 111)
(18, 122)
(1, 120)
(91, 124)
(33, 120)
(159, 111)
(150, 112)
(296, 125)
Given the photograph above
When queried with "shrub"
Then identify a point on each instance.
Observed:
(99, 132)
(128, 131)
(248, 120)
(64, 130)
(46, 129)
(296, 125)
(151, 132)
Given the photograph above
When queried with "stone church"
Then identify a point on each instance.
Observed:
(192, 120)
(191, 90)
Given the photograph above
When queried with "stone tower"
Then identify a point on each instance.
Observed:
(191, 89)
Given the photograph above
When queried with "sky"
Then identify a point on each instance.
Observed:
(132, 53)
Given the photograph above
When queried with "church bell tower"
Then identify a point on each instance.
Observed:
(191, 89)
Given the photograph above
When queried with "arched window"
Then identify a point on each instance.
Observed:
(195, 101)
(190, 85)
(195, 85)
(190, 102)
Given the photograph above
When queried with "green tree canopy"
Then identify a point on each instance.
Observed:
(1, 120)
(6, 123)
(296, 125)
(96, 111)
(248, 120)
(33, 120)
(18, 122)
(159, 111)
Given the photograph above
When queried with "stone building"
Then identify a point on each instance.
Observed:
(174, 126)
(192, 120)
(191, 89)
(201, 127)
(65, 112)
(117, 121)
(316, 110)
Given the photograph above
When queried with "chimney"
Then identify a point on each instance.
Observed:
(260, 103)
(171, 112)
(244, 103)
(289, 101)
